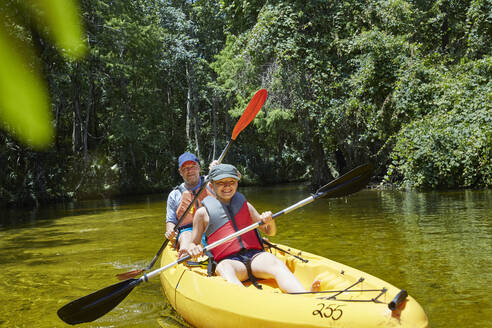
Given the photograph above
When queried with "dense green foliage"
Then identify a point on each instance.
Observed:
(452, 145)
(403, 84)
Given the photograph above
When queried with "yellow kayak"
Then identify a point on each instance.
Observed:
(348, 297)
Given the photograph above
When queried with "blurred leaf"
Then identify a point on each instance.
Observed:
(24, 101)
(61, 17)
(24, 105)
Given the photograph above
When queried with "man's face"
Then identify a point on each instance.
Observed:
(225, 188)
(190, 172)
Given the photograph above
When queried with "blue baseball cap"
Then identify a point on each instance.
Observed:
(187, 157)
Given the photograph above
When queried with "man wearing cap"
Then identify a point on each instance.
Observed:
(181, 196)
(241, 258)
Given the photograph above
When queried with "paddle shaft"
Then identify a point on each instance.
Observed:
(335, 187)
(219, 160)
(202, 188)
(249, 114)
(285, 211)
(164, 244)
(224, 152)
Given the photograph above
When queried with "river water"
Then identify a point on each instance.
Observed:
(437, 246)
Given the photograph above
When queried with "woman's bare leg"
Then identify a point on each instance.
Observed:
(232, 271)
(267, 266)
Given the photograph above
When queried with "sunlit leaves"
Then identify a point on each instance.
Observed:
(356, 72)
(452, 145)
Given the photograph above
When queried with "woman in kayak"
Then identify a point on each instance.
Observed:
(241, 258)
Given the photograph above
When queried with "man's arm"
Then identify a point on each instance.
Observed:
(170, 233)
(171, 219)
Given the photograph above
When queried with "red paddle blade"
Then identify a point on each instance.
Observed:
(250, 112)
(129, 275)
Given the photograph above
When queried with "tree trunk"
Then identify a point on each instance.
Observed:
(341, 163)
(192, 111)
(196, 118)
(321, 172)
(86, 126)
(214, 128)
(188, 108)
(76, 126)
(88, 111)
(444, 8)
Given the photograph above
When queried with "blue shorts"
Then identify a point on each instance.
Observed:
(244, 255)
(189, 227)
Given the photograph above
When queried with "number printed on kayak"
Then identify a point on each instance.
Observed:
(325, 311)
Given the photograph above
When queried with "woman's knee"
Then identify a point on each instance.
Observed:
(268, 259)
(268, 263)
(228, 268)
(224, 268)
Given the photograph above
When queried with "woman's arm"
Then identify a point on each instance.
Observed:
(269, 227)
(200, 223)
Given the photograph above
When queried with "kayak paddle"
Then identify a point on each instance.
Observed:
(248, 115)
(97, 304)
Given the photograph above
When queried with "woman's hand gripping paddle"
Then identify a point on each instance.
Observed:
(248, 115)
(97, 304)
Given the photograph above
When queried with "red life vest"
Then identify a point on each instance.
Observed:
(187, 197)
(224, 220)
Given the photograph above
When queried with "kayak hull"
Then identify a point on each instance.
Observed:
(348, 297)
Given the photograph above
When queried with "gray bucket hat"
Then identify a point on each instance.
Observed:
(222, 171)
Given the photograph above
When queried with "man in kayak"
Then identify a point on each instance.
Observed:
(181, 196)
(241, 258)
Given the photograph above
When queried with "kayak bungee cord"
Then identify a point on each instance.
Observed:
(394, 304)
(270, 245)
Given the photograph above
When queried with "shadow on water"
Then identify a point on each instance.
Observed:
(45, 215)
(18, 249)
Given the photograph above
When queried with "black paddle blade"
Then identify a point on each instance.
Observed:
(348, 183)
(97, 304)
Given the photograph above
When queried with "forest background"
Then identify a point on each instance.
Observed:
(405, 85)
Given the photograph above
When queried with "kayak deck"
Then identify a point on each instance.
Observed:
(347, 298)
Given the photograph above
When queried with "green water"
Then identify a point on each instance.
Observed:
(436, 245)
